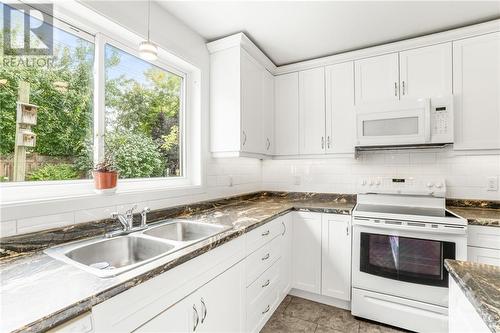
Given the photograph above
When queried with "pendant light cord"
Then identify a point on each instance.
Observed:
(149, 17)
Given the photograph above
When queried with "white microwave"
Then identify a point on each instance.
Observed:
(408, 122)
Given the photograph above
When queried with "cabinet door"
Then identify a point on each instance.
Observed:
(306, 260)
(251, 104)
(377, 79)
(476, 83)
(180, 317)
(268, 112)
(340, 114)
(483, 256)
(286, 255)
(336, 256)
(426, 72)
(312, 111)
(221, 302)
(286, 114)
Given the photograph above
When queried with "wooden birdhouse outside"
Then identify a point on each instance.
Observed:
(26, 138)
(26, 113)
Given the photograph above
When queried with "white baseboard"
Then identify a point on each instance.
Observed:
(339, 303)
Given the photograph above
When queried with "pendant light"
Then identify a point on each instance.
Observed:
(147, 49)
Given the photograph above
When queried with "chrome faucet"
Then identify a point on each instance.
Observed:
(127, 222)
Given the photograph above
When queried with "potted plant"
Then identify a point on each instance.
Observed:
(105, 176)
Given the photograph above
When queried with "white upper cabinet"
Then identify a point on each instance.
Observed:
(340, 114)
(286, 114)
(417, 73)
(312, 111)
(268, 112)
(240, 98)
(377, 79)
(476, 86)
(426, 72)
(252, 102)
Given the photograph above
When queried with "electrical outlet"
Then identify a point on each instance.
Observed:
(493, 183)
(296, 180)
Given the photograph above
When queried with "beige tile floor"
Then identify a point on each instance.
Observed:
(300, 315)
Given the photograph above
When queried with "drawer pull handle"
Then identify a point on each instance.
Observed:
(265, 257)
(204, 308)
(196, 318)
(266, 310)
(265, 233)
(266, 283)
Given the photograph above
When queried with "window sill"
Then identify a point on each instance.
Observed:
(48, 204)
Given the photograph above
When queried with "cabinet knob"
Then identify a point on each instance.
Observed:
(244, 138)
(268, 144)
(266, 310)
(265, 257)
(396, 89)
(328, 142)
(322, 142)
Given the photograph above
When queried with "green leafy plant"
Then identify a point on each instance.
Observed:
(135, 155)
(54, 172)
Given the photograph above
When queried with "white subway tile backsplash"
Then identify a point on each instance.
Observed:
(44, 222)
(8, 228)
(87, 215)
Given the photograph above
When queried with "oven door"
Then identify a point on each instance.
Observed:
(400, 124)
(405, 261)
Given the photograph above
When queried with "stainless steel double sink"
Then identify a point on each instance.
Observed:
(107, 257)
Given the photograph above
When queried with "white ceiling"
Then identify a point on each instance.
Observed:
(292, 31)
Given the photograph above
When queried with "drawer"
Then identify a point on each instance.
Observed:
(487, 237)
(264, 283)
(263, 234)
(483, 256)
(262, 310)
(262, 259)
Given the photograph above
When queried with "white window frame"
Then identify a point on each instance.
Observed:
(79, 20)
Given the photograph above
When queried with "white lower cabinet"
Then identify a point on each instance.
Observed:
(215, 307)
(336, 256)
(483, 245)
(286, 255)
(306, 252)
(463, 318)
(237, 286)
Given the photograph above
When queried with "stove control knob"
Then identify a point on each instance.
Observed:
(439, 185)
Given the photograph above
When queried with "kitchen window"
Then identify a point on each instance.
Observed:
(106, 100)
(143, 112)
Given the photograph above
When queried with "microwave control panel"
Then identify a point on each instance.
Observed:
(442, 119)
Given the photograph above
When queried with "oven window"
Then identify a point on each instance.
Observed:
(406, 259)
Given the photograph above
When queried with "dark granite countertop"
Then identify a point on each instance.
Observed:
(478, 216)
(481, 285)
(38, 292)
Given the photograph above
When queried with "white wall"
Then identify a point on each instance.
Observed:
(466, 176)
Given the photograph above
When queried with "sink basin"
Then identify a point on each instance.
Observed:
(112, 256)
(184, 231)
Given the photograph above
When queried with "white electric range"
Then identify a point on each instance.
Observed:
(402, 233)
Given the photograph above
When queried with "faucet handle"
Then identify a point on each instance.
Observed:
(144, 212)
(130, 211)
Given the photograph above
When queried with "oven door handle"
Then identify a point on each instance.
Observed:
(403, 225)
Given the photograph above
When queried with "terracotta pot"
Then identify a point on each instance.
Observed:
(105, 180)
